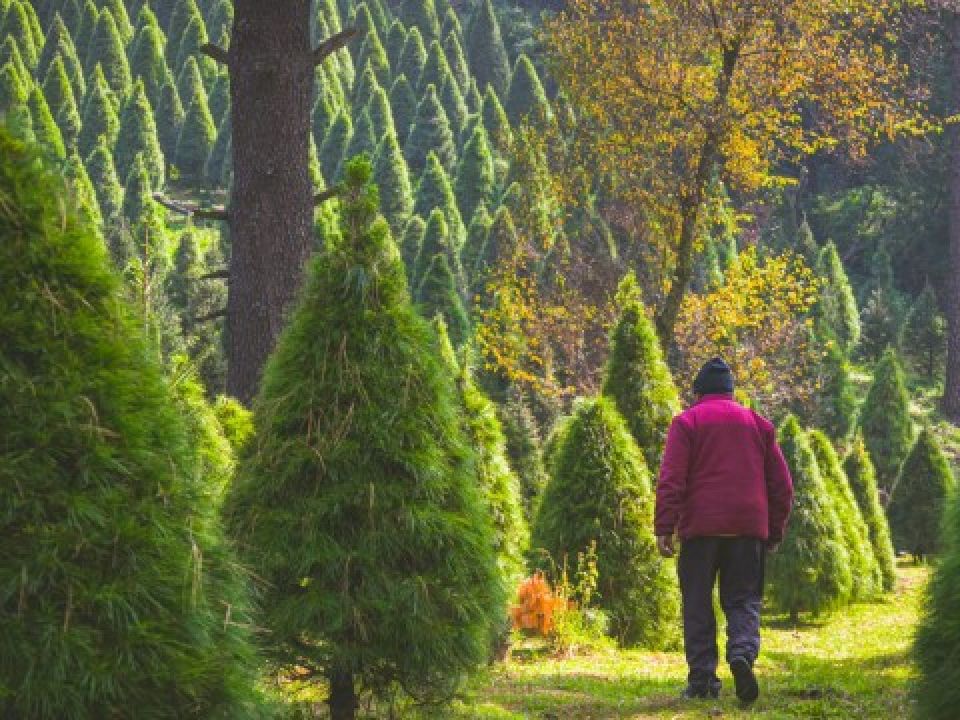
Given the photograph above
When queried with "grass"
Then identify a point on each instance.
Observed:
(852, 665)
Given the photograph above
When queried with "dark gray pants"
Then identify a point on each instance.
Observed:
(739, 562)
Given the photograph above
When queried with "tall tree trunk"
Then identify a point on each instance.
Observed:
(951, 391)
(271, 208)
(343, 697)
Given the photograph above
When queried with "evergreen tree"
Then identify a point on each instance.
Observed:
(863, 482)
(20, 123)
(403, 103)
(58, 40)
(885, 421)
(916, 509)
(219, 155)
(220, 21)
(436, 70)
(44, 126)
(437, 241)
(363, 141)
(136, 193)
(103, 175)
(183, 12)
(936, 690)
(637, 378)
(219, 100)
(334, 146)
(864, 568)
(527, 100)
(194, 37)
(476, 178)
(600, 492)
(322, 118)
(190, 82)
(99, 115)
(86, 28)
(138, 136)
(456, 59)
(430, 133)
(438, 294)
(454, 105)
(396, 39)
(197, 138)
(396, 583)
(502, 236)
(365, 88)
(422, 15)
(380, 114)
(924, 334)
(60, 100)
(451, 24)
(17, 24)
(147, 61)
(82, 193)
(836, 313)
(496, 122)
(106, 49)
(486, 52)
(396, 196)
(434, 191)
(373, 55)
(473, 248)
(13, 92)
(10, 53)
(121, 18)
(126, 617)
(412, 243)
(811, 571)
(835, 400)
(523, 445)
(170, 117)
(413, 59)
(807, 243)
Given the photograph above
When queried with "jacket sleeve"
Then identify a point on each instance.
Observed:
(779, 488)
(672, 484)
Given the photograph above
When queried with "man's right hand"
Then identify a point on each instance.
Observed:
(665, 545)
(773, 547)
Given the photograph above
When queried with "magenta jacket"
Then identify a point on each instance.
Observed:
(723, 474)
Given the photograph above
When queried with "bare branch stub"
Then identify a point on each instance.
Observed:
(216, 52)
(216, 275)
(332, 44)
(192, 210)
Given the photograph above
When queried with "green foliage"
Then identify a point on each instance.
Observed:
(863, 482)
(832, 406)
(936, 689)
(472, 251)
(106, 49)
(44, 126)
(396, 194)
(600, 492)
(436, 70)
(502, 236)
(430, 133)
(235, 421)
(422, 15)
(523, 445)
(455, 57)
(380, 114)
(60, 99)
(476, 176)
(396, 38)
(864, 568)
(836, 314)
(885, 420)
(218, 163)
(170, 117)
(413, 58)
(373, 56)
(334, 146)
(82, 193)
(436, 241)
(363, 141)
(486, 51)
(880, 323)
(136, 193)
(17, 23)
(357, 503)
(138, 136)
(811, 571)
(916, 508)
(495, 121)
(88, 23)
(527, 100)
(197, 137)
(439, 294)
(12, 89)
(434, 192)
(924, 334)
(453, 104)
(99, 114)
(403, 103)
(103, 175)
(147, 61)
(101, 472)
(638, 379)
(219, 99)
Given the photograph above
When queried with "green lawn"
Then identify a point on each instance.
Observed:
(853, 665)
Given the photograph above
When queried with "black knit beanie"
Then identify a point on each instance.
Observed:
(714, 378)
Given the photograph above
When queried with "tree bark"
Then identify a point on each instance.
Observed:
(343, 697)
(271, 206)
(951, 391)
(692, 205)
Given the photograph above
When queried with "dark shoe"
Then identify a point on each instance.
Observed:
(744, 680)
(701, 692)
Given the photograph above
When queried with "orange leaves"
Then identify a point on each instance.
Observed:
(537, 606)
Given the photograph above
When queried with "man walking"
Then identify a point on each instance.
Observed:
(725, 488)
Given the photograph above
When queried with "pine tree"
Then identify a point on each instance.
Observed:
(99, 115)
(501, 237)
(10, 53)
(527, 100)
(170, 117)
(17, 24)
(396, 195)
(60, 100)
(197, 138)
(422, 15)
(476, 178)
(885, 421)
(836, 313)
(334, 146)
(193, 38)
(58, 40)
(405, 595)
(430, 133)
(472, 251)
(807, 243)
(373, 55)
(456, 59)
(435, 192)
(600, 492)
(322, 117)
(637, 377)
(437, 241)
(190, 82)
(380, 114)
(486, 52)
(834, 403)
(13, 92)
(523, 445)
(811, 571)
(220, 21)
(219, 155)
(82, 193)
(413, 59)
(916, 509)
(451, 24)
(396, 39)
(136, 193)
(106, 48)
(363, 141)
(496, 122)
(183, 12)
(936, 690)
(121, 18)
(103, 175)
(864, 568)
(219, 100)
(126, 617)
(438, 294)
(454, 105)
(436, 69)
(863, 482)
(403, 103)
(138, 136)
(924, 334)
(147, 61)
(86, 28)
(411, 245)
(44, 126)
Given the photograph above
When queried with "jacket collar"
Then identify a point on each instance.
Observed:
(714, 397)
